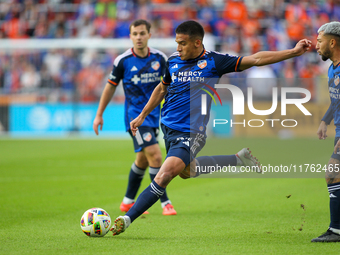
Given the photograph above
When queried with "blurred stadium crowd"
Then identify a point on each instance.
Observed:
(234, 26)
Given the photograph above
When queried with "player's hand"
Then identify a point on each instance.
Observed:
(137, 122)
(322, 130)
(98, 121)
(302, 46)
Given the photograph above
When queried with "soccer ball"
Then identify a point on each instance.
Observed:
(95, 222)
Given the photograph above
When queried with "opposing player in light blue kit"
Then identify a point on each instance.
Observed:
(328, 46)
(191, 71)
(141, 69)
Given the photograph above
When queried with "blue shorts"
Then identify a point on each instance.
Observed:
(336, 156)
(145, 137)
(182, 145)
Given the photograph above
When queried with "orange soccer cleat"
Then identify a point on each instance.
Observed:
(169, 210)
(126, 207)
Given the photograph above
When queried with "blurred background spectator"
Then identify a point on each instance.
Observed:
(233, 26)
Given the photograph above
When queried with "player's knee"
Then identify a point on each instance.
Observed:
(327, 173)
(141, 163)
(156, 160)
(164, 178)
(332, 174)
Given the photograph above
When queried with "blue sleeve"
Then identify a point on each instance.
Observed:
(166, 78)
(328, 117)
(227, 63)
(117, 73)
(164, 66)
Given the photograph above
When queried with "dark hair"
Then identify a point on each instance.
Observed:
(191, 28)
(139, 22)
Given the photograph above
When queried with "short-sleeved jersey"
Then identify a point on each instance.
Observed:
(140, 76)
(187, 80)
(334, 93)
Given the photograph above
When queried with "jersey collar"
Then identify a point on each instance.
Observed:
(200, 55)
(135, 55)
(335, 66)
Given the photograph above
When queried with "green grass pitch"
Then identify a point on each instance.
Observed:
(46, 185)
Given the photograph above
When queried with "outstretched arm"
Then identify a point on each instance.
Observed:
(105, 98)
(155, 99)
(270, 57)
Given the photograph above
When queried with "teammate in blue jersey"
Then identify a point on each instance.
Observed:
(328, 46)
(140, 68)
(189, 70)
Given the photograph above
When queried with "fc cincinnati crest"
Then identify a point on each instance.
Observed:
(155, 65)
(202, 63)
(147, 137)
(336, 80)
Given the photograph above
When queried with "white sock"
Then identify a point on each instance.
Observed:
(238, 161)
(127, 200)
(165, 203)
(336, 231)
(127, 220)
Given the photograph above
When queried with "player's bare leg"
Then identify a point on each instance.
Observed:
(153, 155)
(333, 171)
(171, 167)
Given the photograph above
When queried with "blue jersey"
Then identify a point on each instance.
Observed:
(187, 80)
(140, 76)
(334, 93)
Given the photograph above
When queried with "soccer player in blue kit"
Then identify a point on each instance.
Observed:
(182, 123)
(141, 69)
(328, 46)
